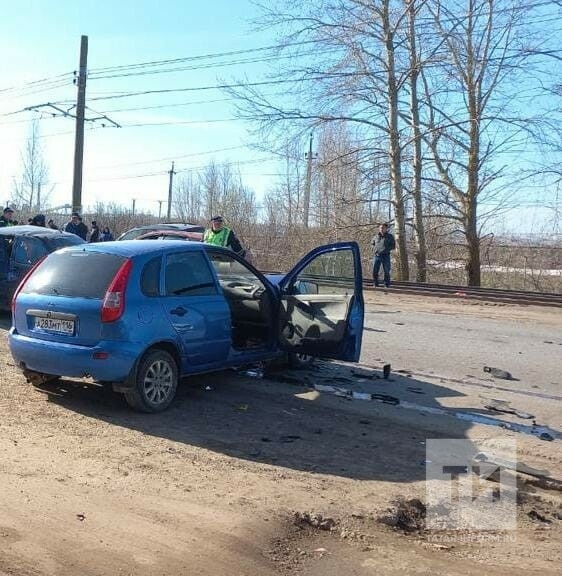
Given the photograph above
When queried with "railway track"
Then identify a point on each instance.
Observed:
(473, 293)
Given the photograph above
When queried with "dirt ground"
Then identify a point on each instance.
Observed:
(246, 475)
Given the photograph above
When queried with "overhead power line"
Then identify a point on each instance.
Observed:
(226, 86)
(138, 65)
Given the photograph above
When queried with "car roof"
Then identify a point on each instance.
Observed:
(28, 230)
(171, 232)
(128, 248)
(166, 226)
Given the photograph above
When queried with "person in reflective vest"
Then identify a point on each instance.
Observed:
(220, 235)
(6, 218)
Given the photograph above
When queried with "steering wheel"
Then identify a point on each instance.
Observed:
(257, 291)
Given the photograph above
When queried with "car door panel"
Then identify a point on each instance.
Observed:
(322, 309)
(196, 309)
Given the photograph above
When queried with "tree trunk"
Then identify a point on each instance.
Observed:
(473, 246)
(395, 152)
(419, 228)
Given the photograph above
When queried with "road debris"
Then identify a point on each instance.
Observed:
(406, 515)
(498, 373)
(289, 438)
(386, 371)
(534, 515)
(357, 395)
(542, 432)
(503, 406)
(521, 467)
(364, 374)
(304, 519)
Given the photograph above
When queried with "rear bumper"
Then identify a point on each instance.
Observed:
(74, 361)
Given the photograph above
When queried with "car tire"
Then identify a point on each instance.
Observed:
(155, 382)
(299, 361)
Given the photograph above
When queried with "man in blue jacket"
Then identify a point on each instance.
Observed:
(383, 243)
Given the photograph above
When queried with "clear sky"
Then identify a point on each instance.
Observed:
(40, 40)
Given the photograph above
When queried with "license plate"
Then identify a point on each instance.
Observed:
(55, 325)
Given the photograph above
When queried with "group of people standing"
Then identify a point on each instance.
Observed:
(218, 234)
(77, 226)
(74, 226)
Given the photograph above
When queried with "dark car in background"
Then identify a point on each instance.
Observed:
(134, 233)
(20, 248)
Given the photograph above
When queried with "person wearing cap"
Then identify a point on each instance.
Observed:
(95, 233)
(220, 235)
(38, 220)
(6, 218)
(76, 226)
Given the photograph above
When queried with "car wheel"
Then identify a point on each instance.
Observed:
(156, 381)
(299, 360)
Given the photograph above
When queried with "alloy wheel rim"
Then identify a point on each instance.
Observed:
(158, 382)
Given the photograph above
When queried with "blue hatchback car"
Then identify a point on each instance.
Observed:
(142, 315)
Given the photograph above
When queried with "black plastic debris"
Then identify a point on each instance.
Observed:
(498, 373)
(289, 438)
(386, 399)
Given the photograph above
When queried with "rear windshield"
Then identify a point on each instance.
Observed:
(80, 274)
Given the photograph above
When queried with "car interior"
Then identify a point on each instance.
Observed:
(249, 300)
(315, 307)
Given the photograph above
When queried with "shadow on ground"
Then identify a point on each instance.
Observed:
(283, 421)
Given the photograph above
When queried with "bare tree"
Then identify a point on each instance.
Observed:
(417, 197)
(345, 68)
(469, 120)
(30, 190)
(188, 202)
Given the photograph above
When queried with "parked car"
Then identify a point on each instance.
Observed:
(190, 235)
(141, 315)
(20, 248)
(140, 230)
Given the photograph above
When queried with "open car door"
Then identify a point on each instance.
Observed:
(322, 307)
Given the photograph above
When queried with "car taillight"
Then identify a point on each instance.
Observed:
(24, 280)
(114, 301)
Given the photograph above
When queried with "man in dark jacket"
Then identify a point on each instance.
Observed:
(38, 220)
(95, 233)
(383, 243)
(76, 226)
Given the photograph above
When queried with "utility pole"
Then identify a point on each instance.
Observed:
(171, 173)
(39, 196)
(308, 155)
(160, 208)
(134, 200)
(80, 115)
